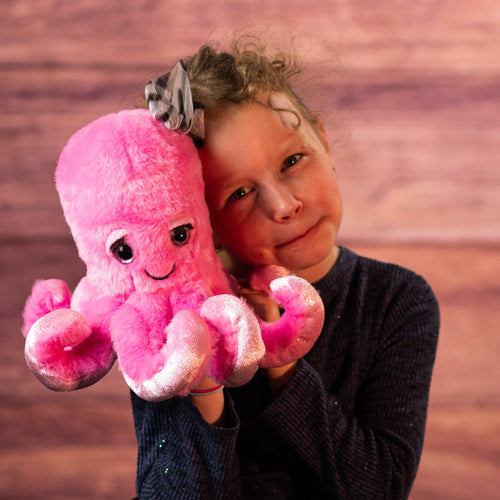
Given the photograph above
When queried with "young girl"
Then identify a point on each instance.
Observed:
(348, 419)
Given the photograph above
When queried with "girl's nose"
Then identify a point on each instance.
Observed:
(280, 204)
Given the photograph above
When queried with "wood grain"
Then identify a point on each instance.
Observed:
(410, 93)
(413, 88)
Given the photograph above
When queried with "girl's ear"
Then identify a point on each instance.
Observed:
(320, 128)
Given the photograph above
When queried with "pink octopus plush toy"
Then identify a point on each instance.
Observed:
(155, 295)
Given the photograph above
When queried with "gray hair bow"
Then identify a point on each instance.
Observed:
(169, 99)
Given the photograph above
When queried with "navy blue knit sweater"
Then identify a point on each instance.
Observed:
(349, 424)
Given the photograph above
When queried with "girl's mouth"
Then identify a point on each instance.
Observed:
(297, 238)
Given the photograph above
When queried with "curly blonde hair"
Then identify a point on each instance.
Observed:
(221, 78)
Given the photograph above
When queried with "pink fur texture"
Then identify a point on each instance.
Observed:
(155, 295)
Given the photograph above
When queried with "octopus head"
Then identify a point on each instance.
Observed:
(133, 195)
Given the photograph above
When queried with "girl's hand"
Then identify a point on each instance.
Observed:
(211, 406)
(264, 307)
(268, 310)
(278, 377)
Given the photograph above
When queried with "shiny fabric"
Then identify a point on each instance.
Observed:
(169, 99)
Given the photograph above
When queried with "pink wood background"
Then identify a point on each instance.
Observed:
(412, 95)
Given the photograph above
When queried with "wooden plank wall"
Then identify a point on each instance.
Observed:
(411, 96)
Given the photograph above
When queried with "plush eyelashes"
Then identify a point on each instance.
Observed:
(180, 235)
(123, 252)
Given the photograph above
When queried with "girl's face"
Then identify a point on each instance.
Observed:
(271, 189)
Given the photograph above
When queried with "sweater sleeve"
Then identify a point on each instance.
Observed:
(181, 455)
(372, 449)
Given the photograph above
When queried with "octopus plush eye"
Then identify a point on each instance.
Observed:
(122, 252)
(180, 235)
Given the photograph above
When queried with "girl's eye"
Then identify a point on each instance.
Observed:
(239, 193)
(122, 252)
(292, 160)
(180, 234)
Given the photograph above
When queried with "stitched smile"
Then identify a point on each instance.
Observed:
(162, 277)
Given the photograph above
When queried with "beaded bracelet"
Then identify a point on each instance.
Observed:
(206, 392)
